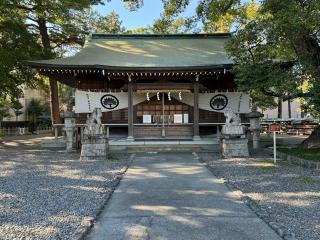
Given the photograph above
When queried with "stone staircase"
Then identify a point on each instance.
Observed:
(166, 146)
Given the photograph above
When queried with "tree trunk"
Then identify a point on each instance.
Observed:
(55, 110)
(279, 108)
(289, 108)
(307, 48)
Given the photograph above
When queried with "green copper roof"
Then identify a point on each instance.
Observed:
(147, 52)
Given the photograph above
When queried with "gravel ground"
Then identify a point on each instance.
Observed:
(46, 194)
(286, 195)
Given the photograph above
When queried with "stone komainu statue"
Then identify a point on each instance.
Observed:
(94, 141)
(234, 142)
(232, 118)
(94, 124)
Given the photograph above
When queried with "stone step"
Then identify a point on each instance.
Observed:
(173, 148)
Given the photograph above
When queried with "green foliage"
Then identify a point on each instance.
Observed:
(38, 29)
(277, 52)
(66, 95)
(169, 25)
(16, 106)
(133, 5)
(35, 109)
(308, 154)
(222, 15)
(109, 24)
(16, 43)
(4, 109)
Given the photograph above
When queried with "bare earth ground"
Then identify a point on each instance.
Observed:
(288, 193)
(46, 194)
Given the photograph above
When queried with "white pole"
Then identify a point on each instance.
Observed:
(163, 133)
(274, 148)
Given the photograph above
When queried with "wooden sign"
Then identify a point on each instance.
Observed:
(275, 127)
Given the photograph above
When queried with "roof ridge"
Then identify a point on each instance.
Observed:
(180, 35)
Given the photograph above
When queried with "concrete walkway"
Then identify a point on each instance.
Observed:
(173, 196)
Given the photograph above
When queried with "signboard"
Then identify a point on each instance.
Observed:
(186, 118)
(146, 118)
(275, 127)
(177, 118)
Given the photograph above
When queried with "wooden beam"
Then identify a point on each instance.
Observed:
(196, 135)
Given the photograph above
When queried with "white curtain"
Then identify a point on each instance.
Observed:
(87, 101)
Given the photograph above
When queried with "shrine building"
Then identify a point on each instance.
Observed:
(152, 86)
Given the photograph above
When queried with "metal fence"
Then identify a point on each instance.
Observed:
(14, 131)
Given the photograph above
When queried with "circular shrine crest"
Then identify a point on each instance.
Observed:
(109, 101)
(218, 102)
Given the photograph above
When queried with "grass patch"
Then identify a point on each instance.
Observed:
(113, 157)
(309, 180)
(308, 154)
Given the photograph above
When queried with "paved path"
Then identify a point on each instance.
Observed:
(173, 196)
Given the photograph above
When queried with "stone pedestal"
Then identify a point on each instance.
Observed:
(234, 142)
(234, 147)
(230, 131)
(94, 148)
(94, 140)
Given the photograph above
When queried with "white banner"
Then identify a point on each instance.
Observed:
(87, 101)
(217, 102)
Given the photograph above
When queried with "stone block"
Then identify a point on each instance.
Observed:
(233, 130)
(95, 148)
(236, 147)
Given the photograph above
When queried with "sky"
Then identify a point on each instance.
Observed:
(144, 16)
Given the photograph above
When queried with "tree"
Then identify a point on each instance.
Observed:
(54, 24)
(16, 43)
(34, 110)
(169, 25)
(279, 51)
(16, 106)
(222, 15)
(110, 23)
(4, 110)
(57, 26)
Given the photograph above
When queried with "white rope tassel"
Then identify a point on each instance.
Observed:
(180, 96)
(148, 97)
(169, 97)
(158, 96)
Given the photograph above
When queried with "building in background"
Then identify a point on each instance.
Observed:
(28, 95)
(295, 111)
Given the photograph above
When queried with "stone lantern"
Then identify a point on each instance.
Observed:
(255, 126)
(69, 127)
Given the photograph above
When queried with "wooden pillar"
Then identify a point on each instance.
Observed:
(130, 110)
(196, 135)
